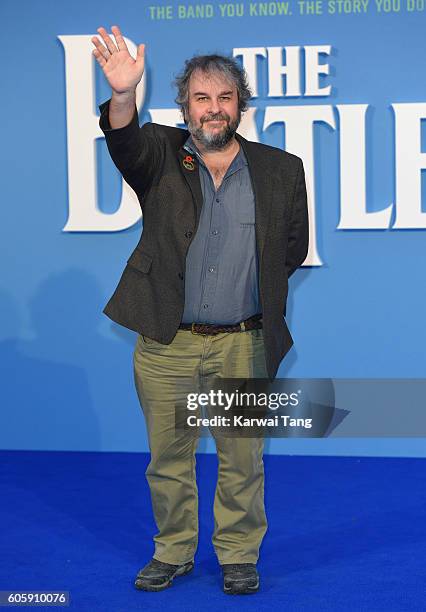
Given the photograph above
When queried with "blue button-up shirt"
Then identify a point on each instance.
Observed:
(221, 276)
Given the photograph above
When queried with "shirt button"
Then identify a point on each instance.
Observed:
(215, 232)
(205, 305)
(217, 200)
(211, 269)
(188, 234)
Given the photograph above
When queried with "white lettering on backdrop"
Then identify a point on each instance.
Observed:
(82, 131)
(299, 120)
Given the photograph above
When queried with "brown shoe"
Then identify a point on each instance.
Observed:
(156, 575)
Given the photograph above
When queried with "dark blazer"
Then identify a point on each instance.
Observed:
(149, 298)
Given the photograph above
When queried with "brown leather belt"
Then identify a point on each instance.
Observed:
(254, 322)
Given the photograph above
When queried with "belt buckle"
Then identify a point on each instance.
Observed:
(196, 332)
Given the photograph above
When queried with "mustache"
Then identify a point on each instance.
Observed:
(216, 117)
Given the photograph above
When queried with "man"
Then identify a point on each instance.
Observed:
(225, 224)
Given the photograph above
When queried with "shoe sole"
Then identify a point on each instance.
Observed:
(181, 571)
(237, 589)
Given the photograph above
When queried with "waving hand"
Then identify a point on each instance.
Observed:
(121, 70)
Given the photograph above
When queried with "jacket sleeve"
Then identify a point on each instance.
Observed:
(134, 150)
(298, 239)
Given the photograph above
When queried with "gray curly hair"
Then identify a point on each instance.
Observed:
(228, 67)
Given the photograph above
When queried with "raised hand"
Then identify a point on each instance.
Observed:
(121, 70)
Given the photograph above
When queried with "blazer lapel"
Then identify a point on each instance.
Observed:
(263, 184)
(189, 167)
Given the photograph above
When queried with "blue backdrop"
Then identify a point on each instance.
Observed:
(356, 311)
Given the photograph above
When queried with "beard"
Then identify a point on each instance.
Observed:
(214, 141)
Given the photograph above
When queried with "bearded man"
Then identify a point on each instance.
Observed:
(224, 225)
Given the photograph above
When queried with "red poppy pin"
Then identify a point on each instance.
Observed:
(188, 163)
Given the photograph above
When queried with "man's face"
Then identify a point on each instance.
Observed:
(213, 115)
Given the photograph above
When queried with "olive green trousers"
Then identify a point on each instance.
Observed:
(239, 513)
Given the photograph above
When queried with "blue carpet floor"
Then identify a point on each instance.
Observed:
(344, 533)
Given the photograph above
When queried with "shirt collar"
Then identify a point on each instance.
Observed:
(190, 146)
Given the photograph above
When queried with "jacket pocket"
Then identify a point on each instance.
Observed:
(140, 260)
